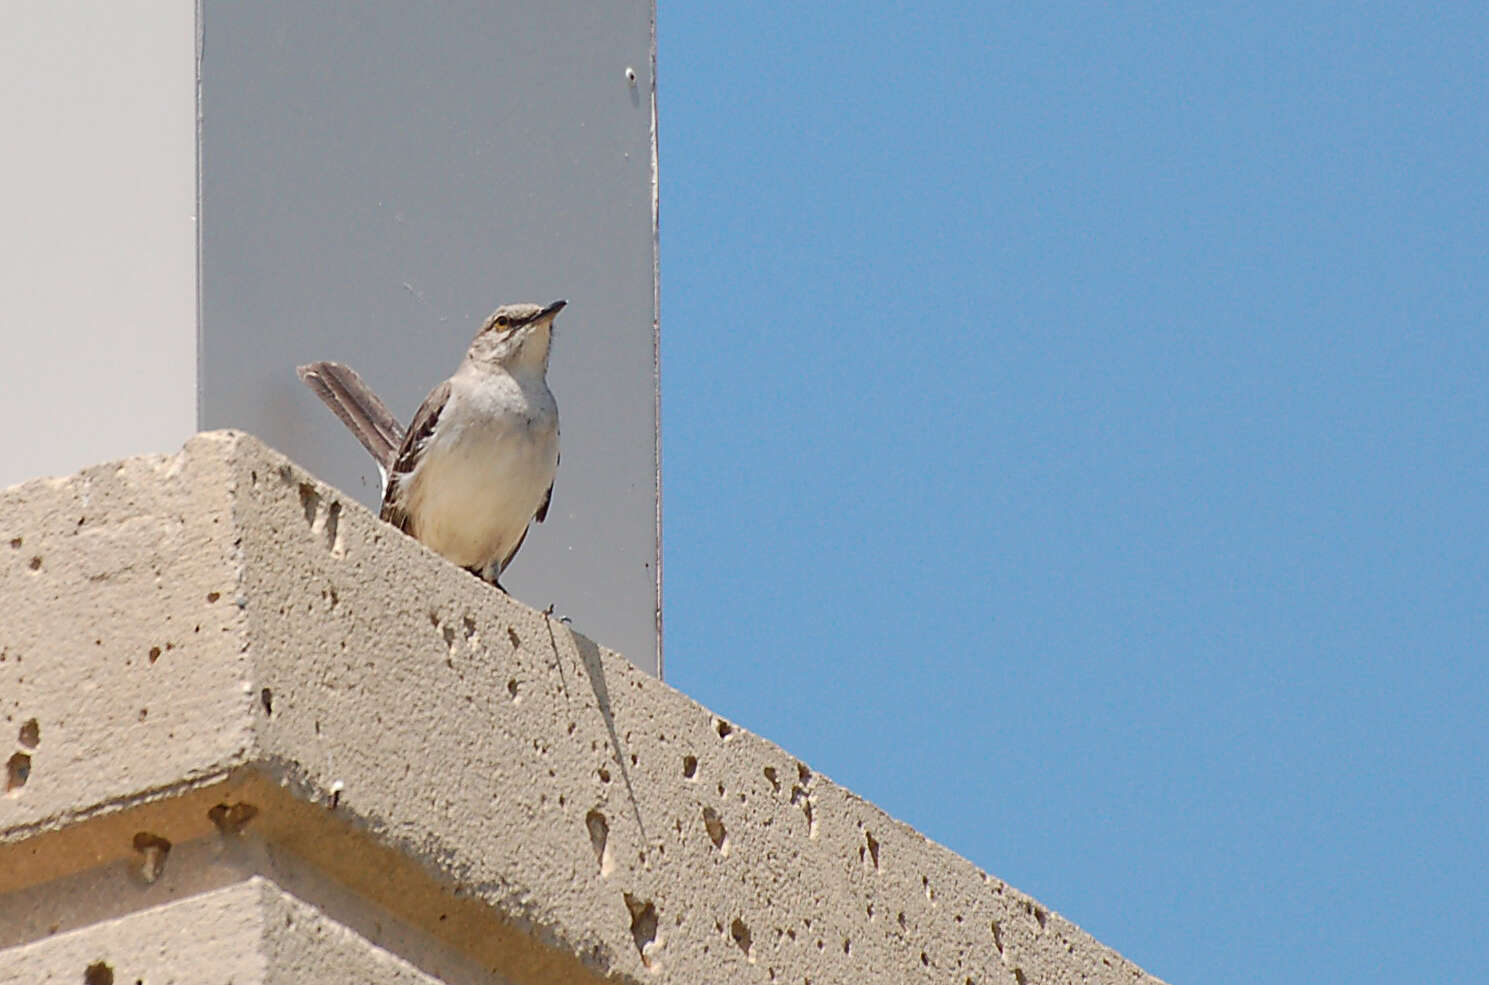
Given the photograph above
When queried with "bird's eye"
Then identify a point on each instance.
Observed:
(501, 320)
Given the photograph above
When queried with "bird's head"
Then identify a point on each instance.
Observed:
(516, 336)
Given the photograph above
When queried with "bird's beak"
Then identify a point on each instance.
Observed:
(551, 310)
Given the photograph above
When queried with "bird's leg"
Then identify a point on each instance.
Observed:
(491, 574)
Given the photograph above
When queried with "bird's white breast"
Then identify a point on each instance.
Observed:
(485, 471)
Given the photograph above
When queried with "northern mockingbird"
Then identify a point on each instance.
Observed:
(476, 465)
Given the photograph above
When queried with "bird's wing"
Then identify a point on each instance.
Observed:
(542, 513)
(352, 400)
(513, 552)
(409, 451)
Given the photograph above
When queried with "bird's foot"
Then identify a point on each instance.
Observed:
(490, 576)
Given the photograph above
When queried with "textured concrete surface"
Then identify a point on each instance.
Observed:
(215, 652)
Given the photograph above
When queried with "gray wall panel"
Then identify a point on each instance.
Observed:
(375, 178)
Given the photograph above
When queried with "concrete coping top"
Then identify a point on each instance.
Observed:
(214, 647)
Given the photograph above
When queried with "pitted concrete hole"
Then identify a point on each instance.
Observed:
(333, 523)
(98, 973)
(154, 654)
(599, 839)
(741, 935)
(35, 563)
(1018, 976)
(212, 597)
(997, 937)
(1036, 911)
(17, 772)
(643, 925)
(30, 733)
(231, 819)
(689, 767)
(514, 638)
(801, 798)
(723, 727)
(266, 698)
(873, 846)
(152, 849)
(770, 774)
(512, 687)
(15, 543)
(310, 502)
(715, 827)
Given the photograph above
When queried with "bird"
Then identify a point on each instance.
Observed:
(477, 463)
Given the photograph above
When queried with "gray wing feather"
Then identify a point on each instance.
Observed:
(407, 457)
(542, 513)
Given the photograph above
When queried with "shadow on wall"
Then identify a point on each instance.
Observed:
(589, 655)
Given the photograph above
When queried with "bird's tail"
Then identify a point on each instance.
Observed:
(352, 400)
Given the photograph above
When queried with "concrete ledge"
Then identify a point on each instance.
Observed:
(245, 933)
(217, 653)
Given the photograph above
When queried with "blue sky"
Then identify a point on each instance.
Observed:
(1076, 440)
